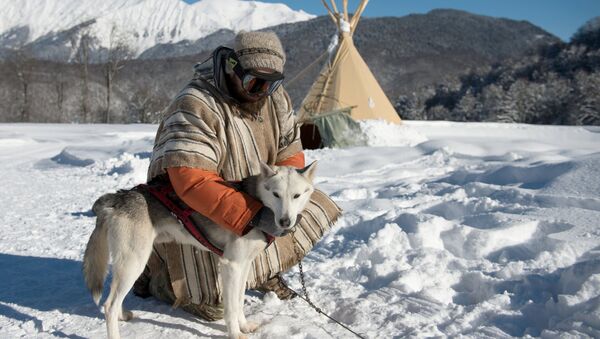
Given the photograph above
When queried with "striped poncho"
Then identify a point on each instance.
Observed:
(201, 130)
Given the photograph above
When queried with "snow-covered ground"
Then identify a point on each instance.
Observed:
(449, 229)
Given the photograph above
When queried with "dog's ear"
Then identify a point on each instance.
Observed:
(309, 171)
(265, 170)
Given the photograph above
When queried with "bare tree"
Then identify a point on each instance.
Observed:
(117, 54)
(21, 64)
(145, 105)
(59, 83)
(83, 45)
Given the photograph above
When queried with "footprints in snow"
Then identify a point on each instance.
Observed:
(470, 213)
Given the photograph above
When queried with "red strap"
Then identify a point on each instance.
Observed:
(183, 215)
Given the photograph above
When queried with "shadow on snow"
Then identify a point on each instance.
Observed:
(48, 284)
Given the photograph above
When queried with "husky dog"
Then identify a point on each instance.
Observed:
(129, 222)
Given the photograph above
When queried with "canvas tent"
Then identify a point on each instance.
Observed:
(345, 90)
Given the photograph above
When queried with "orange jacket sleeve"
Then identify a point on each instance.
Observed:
(297, 160)
(208, 194)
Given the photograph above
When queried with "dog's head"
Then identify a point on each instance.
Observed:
(286, 191)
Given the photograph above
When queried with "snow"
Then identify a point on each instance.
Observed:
(449, 229)
(144, 23)
(344, 26)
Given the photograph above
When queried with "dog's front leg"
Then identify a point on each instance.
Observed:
(245, 326)
(235, 265)
(231, 272)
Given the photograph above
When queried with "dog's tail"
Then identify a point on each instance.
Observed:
(95, 259)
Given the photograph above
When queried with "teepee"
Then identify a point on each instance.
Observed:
(345, 90)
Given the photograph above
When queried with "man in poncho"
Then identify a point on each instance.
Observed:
(230, 117)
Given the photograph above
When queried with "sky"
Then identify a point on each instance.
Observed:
(559, 17)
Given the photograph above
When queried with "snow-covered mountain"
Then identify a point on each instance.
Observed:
(142, 23)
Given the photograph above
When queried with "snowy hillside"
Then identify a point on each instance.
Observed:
(144, 23)
(449, 229)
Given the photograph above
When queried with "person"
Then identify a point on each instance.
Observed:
(234, 114)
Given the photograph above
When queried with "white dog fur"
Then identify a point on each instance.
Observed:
(130, 222)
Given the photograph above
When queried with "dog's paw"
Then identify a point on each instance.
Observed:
(126, 315)
(238, 336)
(249, 327)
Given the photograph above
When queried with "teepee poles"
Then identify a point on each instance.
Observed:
(334, 13)
(334, 6)
(357, 14)
(331, 15)
(336, 16)
(346, 11)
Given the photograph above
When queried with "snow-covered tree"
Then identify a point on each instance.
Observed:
(588, 34)
(588, 99)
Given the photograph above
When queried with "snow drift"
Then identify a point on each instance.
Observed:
(449, 229)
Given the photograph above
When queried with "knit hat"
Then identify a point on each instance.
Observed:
(260, 49)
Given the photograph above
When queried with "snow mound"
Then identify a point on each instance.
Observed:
(129, 168)
(65, 157)
(383, 133)
(570, 183)
(12, 142)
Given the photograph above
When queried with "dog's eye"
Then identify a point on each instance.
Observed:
(296, 196)
(276, 195)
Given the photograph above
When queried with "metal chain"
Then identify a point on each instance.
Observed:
(305, 291)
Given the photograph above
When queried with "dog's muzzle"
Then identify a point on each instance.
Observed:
(293, 228)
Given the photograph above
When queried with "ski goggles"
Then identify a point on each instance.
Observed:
(253, 82)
